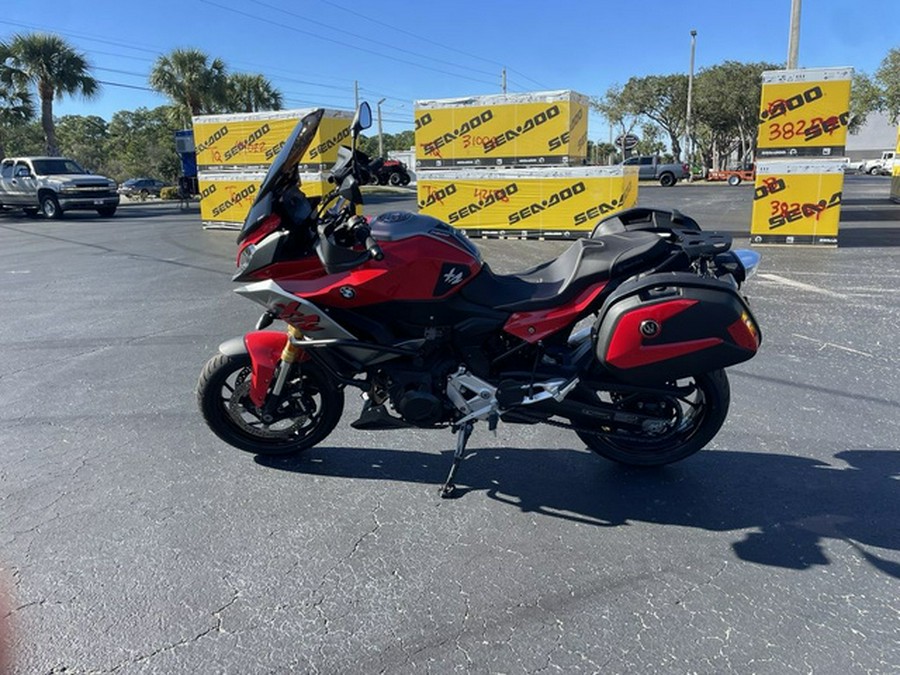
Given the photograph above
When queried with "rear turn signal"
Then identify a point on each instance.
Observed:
(745, 333)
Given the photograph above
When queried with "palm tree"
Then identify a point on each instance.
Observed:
(252, 93)
(15, 100)
(54, 68)
(195, 84)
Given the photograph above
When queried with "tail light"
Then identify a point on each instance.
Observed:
(686, 168)
(265, 228)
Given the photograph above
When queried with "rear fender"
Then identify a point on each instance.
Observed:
(264, 347)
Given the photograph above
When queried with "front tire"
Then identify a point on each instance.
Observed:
(692, 422)
(311, 410)
(50, 207)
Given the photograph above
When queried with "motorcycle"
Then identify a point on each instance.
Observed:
(622, 339)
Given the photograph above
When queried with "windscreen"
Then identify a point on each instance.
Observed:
(56, 167)
(282, 167)
(294, 147)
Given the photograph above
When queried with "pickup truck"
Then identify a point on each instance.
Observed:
(651, 167)
(54, 185)
(881, 166)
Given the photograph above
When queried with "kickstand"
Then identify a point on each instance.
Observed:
(448, 487)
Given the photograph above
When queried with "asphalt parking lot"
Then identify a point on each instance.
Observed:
(134, 541)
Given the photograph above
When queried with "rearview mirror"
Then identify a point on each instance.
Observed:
(362, 119)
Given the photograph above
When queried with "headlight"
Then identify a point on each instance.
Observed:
(245, 257)
(113, 185)
(68, 187)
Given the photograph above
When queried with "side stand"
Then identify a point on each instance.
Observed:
(464, 432)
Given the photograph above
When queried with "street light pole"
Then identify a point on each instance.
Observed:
(794, 38)
(380, 137)
(688, 144)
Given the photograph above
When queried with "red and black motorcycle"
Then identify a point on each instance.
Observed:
(404, 308)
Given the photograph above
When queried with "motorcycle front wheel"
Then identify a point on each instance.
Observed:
(311, 408)
(687, 423)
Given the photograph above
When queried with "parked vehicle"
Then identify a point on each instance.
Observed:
(852, 166)
(54, 185)
(142, 187)
(403, 308)
(388, 171)
(734, 176)
(651, 167)
(883, 166)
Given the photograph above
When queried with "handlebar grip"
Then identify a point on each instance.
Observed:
(373, 248)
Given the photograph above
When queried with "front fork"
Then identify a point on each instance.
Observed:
(272, 357)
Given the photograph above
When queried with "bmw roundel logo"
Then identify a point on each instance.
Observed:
(347, 292)
(649, 328)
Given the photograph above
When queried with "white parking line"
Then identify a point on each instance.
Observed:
(775, 278)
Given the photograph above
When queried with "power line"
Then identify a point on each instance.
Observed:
(343, 44)
(431, 41)
(367, 39)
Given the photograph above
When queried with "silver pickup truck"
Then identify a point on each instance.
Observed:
(651, 167)
(54, 185)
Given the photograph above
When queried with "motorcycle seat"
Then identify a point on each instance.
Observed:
(555, 282)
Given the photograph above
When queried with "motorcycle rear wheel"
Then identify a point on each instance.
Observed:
(311, 410)
(691, 422)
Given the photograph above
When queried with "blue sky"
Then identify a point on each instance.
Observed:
(314, 50)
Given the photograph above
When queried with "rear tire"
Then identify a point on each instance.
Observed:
(395, 179)
(692, 424)
(667, 180)
(309, 414)
(734, 181)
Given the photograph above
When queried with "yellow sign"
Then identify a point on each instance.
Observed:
(550, 202)
(489, 131)
(804, 113)
(797, 202)
(226, 198)
(251, 141)
(895, 172)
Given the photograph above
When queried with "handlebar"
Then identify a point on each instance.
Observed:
(373, 248)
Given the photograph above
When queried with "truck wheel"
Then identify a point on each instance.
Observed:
(395, 178)
(873, 171)
(734, 180)
(50, 207)
(667, 179)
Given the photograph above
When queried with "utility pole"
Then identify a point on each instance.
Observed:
(794, 39)
(503, 80)
(356, 94)
(687, 124)
(380, 137)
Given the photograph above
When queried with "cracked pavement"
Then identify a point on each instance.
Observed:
(133, 541)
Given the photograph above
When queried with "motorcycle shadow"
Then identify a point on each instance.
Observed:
(789, 504)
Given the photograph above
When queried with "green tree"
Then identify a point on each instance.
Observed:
(252, 93)
(725, 107)
(195, 84)
(16, 107)
(865, 97)
(84, 138)
(142, 143)
(54, 68)
(888, 78)
(662, 99)
(615, 108)
(650, 143)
